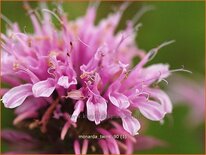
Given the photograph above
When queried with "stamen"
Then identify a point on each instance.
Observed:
(120, 9)
(54, 14)
(164, 81)
(145, 93)
(124, 37)
(120, 42)
(49, 70)
(154, 51)
(181, 70)
(124, 6)
(59, 8)
(9, 22)
(91, 91)
(36, 13)
(25, 30)
(35, 17)
(94, 4)
(21, 40)
(4, 47)
(83, 43)
(137, 27)
(18, 34)
(144, 9)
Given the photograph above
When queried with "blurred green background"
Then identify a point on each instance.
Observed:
(181, 21)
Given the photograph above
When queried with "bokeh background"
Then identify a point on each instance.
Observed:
(181, 21)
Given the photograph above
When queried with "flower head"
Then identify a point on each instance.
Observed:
(79, 80)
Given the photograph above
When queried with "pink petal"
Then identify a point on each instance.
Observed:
(151, 110)
(97, 109)
(130, 124)
(16, 96)
(43, 88)
(90, 110)
(75, 95)
(163, 98)
(119, 100)
(100, 111)
(64, 82)
(156, 72)
(34, 20)
(113, 100)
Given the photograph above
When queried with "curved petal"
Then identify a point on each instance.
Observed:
(155, 72)
(16, 96)
(163, 98)
(119, 100)
(64, 82)
(113, 100)
(151, 110)
(90, 110)
(130, 124)
(43, 88)
(100, 110)
(75, 95)
(97, 109)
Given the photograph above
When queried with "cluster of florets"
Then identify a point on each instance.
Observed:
(82, 76)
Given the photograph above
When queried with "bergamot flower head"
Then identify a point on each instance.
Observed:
(79, 80)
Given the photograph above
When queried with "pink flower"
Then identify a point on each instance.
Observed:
(56, 76)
